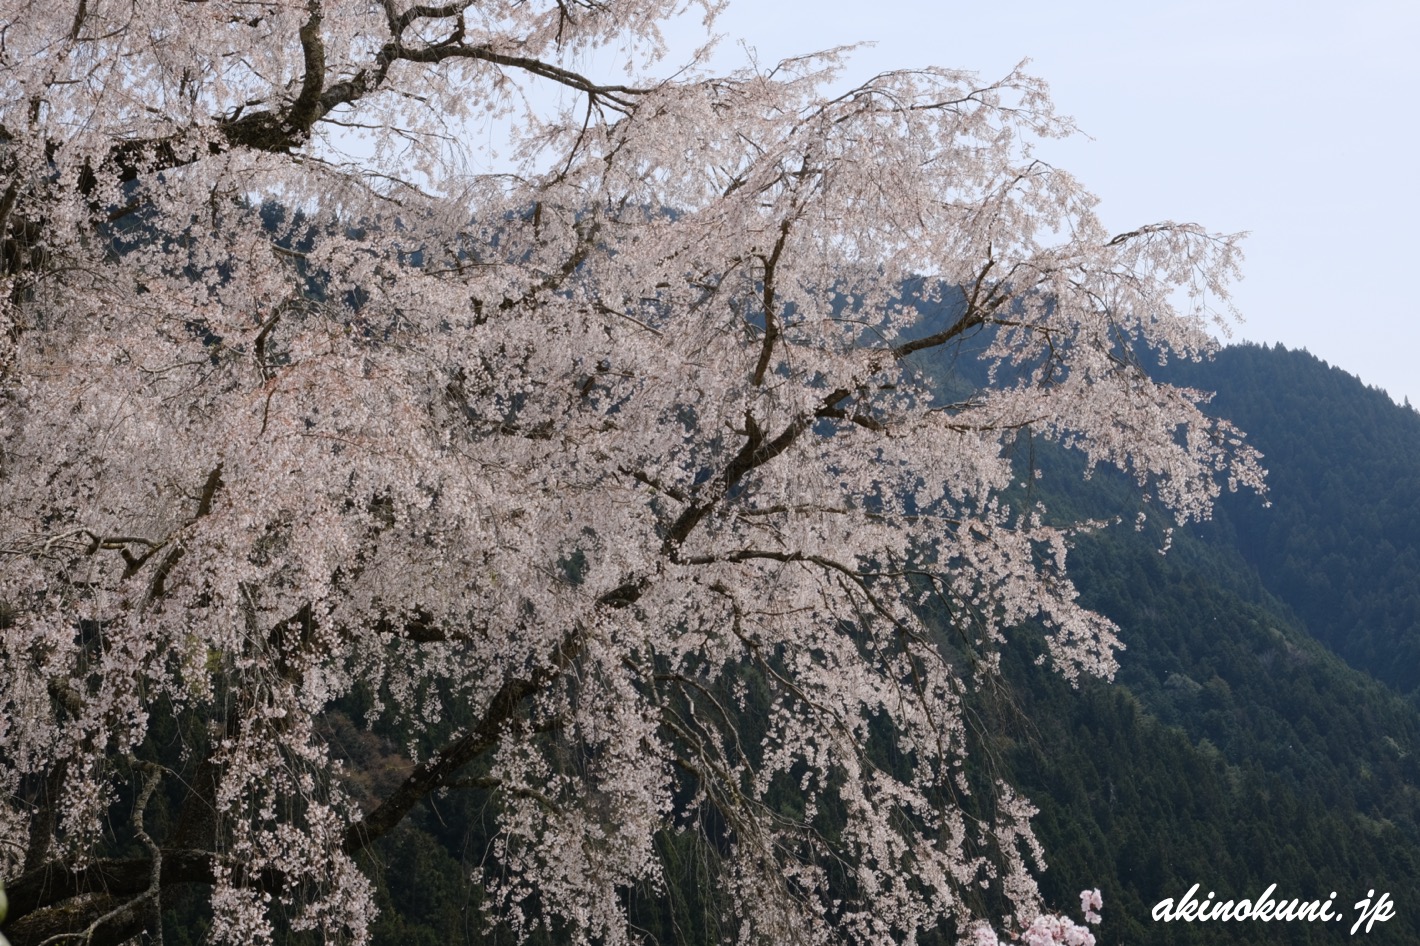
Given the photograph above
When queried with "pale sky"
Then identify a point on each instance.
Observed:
(1295, 121)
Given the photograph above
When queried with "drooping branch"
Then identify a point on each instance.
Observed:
(281, 129)
(108, 884)
(983, 299)
(210, 487)
(756, 451)
(620, 97)
(443, 767)
(45, 815)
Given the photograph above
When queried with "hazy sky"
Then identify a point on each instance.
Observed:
(1294, 120)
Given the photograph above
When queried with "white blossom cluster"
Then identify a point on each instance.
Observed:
(624, 480)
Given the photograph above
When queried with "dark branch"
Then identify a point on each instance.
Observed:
(36, 892)
(771, 320)
(440, 770)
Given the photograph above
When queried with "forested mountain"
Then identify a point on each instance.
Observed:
(1233, 749)
(1340, 544)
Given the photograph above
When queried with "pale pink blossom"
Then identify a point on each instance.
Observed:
(563, 466)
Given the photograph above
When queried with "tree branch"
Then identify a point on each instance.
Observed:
(441, 768)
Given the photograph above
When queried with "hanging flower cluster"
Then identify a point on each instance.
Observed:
(662, 472)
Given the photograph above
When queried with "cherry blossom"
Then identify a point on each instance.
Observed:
(575, 469)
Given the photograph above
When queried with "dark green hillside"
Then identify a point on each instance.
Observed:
(1231, 751)
(1340, 544)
